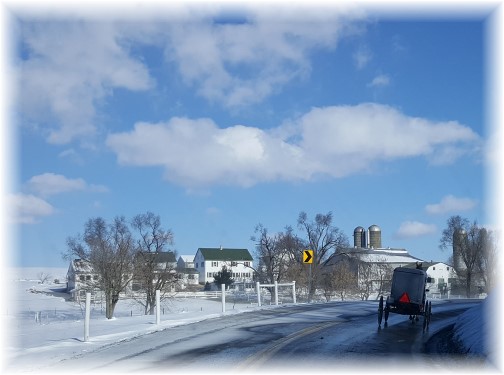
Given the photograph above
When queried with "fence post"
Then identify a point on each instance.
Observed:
(158, 307)
(294, 292)
(276, 293)
(258, 288)
(223, 289)
(87, 316)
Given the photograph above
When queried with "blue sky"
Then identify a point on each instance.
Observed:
(218, 120)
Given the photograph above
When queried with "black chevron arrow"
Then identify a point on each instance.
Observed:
(308, 256)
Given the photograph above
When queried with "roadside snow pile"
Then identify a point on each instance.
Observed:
(471, 329)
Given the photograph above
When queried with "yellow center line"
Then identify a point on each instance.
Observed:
(259, 358)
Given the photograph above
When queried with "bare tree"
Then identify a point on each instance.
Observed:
(267, 252)
(324, 239)
(365, 279)
(275, 253)
(109, 249)
(154, 265)
(468, 242)
(340, 279)
(43, 277)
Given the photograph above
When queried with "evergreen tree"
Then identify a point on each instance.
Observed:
(224, 277)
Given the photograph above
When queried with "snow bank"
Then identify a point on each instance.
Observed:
(470, 330)
(478, 331)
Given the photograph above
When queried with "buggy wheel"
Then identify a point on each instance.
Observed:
(380, 310)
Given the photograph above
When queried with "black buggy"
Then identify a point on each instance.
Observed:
(407, 296)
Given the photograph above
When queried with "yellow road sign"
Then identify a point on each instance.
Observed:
(307, 256)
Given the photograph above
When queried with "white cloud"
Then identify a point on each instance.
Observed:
(333, 141)
(242, 64)
(68, 68)
(449, 204)
(362, 57)
(50, 184)
(27, 208)
(198, 153)
(381, 80)
(349, 139)
(415, 229)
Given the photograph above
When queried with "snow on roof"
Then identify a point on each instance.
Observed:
(187, 258)
(385, 255)
(80, 265)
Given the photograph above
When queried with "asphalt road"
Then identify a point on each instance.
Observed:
(298, 338)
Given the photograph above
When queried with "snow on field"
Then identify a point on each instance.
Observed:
(42, 328)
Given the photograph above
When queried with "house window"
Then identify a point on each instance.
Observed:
(433, 268)
(215, 264)
(88, 277)
(247, 264)
(447, 268)
(234, 264)
(82, 278)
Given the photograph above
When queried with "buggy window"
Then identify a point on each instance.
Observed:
(411, 283)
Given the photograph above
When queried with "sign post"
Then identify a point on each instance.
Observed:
(308, 259)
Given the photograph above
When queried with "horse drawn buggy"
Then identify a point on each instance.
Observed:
(407, 296)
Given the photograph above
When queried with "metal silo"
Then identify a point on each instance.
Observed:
(375, 236)
(459, 237)
(359, 237)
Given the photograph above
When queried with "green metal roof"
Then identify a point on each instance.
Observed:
(225, 254)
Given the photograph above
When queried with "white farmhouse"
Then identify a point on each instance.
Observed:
(186, 273)
(80, 279)
(209, 261)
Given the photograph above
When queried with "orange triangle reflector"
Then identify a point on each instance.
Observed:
(404, 298)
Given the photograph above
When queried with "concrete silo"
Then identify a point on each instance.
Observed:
(459, 238)
(359, 237)
(374, 237)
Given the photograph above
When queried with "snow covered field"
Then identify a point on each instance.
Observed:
(40, 329)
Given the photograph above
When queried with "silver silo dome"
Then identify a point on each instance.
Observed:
(375, 236)
(359, 237)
